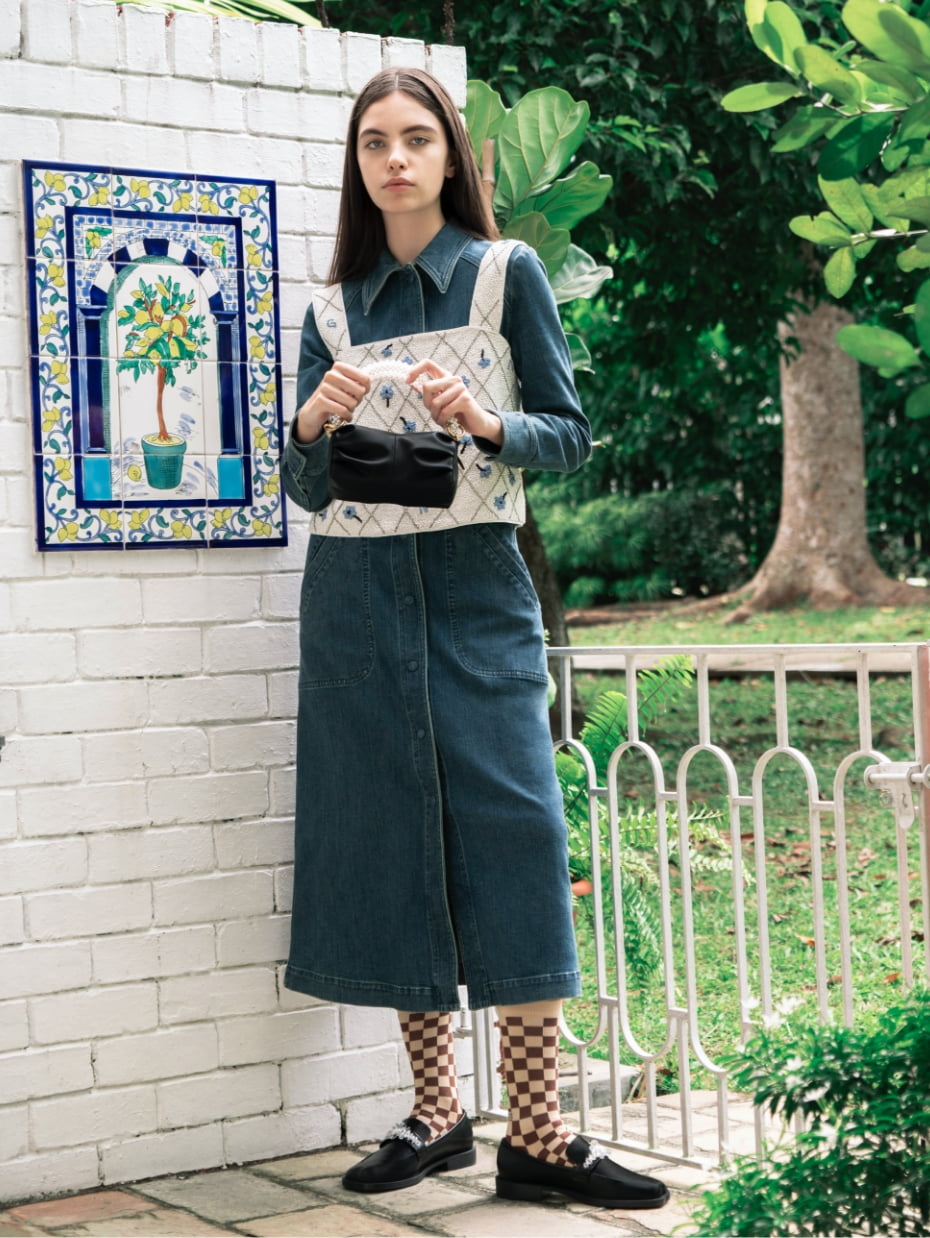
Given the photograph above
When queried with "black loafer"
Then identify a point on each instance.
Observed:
(596, 1180)
(405, 1158)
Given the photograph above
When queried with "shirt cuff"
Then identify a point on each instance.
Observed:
(519, 445)
(310, 458)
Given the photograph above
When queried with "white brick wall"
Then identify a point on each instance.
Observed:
(147, 699)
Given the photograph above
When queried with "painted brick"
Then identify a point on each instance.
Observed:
(53, 759)
(323, 53)
(403, 53)
(255, 647)
(140, 956)
(14, 1026)
(292, 302)
(324, 118)
(363, 1026)
(292, 258)
(174, 750)
(214, 897)
(101, 806)
(370, 1116)
(226, 1094)
(337, 1076)
(25, 87)
(17, 547)
(47, 32)
(32, 969)
(187, 999)
(139, 651)
(12, 925)
(282, 791)
(217, 797)
(156, 1155)
(14, 1132)
(273, 1037)
(282, 694)
(238, 52)
(164, 1054)
(135, 855)
(215, 698)
(362, 61)
(324, 212)
(144, 41)
(275, 112)
(252, 744)
(251, 844)
(44, 658)
(284, 888)
(227, 153)
(26, 866)
(112, 756)
(55, 1173)
(96, 34)
(240, 942)
(60, 914)
(449, 65)
(191, 45)
(202, 599)
(282, 1133)
(127, 145)
(321, 254)
(10, 29)
(65, 1121)
(50, 605)
(280, 46)
(7, 809)
(102, 1012)
(45, 1072)
(323, 164)
(215, 106)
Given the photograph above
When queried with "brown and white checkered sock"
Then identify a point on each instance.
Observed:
(431, 1051)
(530, 1053)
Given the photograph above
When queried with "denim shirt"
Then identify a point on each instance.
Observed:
(434, 293)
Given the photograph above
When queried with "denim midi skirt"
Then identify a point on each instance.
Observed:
(430, 838)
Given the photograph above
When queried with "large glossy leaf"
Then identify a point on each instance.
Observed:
(537, 139)
(784, 33)
(922, 316)
(824, 72)
(877, 346)
(758, 96)
(822, 229)
(893, 76)
(484, 115)
(915, 123)
(550, 243)
(845, 200)
(889, 33)
(256, 10)
(804, 127)
(839, 273)
(917, 210)
(578, 276)
(854, 146)
(570, 198)
(918, 402)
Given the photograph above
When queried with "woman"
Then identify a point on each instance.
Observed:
(430, 847)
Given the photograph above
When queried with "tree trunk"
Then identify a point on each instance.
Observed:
(531, 546)
(160, 389)
(821, 553)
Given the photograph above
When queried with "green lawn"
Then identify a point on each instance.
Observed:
(822, 721)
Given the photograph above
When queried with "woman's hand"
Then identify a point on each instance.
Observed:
(337, 396)
(446, 397)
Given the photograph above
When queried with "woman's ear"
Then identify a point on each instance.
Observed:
(450, 168)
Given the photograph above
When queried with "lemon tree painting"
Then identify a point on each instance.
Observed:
(154, 358)
(163, 336)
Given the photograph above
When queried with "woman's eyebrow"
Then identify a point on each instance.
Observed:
(379, 133)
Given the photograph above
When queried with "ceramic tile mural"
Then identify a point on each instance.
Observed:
(154, 359)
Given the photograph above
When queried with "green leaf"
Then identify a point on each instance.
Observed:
(922, 316)
(915, 209)
(889, 33)
(758, 96)
(550, 243)
(484, 114)
(898, 79)
(824, 72)
(878, 204)
(804, 127)
(839, 273)
(784, 33)
(918, 402)
(257, 10)
(913, 259)
(822, 229)
(878, 346)
(845, 199)
(578, 276)
(855, 145)
(581, 357)
(537, 139)
(915, 123)
(571, 198)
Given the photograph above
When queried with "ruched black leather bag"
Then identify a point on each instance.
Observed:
(416, 469)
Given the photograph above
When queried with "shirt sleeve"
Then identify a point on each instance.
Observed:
(305, 466)
(551, 432)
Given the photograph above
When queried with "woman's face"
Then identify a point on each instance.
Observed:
(403, 156)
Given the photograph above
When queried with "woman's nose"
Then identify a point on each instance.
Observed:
(397, 157)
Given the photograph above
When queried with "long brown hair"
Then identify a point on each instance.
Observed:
(360, 236)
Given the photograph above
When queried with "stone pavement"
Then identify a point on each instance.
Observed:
(301, 1197)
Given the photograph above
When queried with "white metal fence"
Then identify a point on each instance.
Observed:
(877, 769)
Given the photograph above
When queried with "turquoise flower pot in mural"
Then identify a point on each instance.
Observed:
(164, 461)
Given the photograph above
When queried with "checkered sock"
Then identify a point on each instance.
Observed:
(429, 1042)
(530, 1053)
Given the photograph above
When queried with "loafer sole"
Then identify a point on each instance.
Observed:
(458, 1160)
(533, 1192)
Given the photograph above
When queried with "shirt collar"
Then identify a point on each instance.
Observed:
(437, 260)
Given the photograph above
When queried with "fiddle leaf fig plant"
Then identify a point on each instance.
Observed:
(864, 107)
(536, 199)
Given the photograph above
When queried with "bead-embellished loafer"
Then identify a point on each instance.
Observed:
(593, 1179)
(406, 1158)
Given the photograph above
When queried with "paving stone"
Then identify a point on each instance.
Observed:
(486, 1162)
(76, 1209)
(161, 1223)
(314, 1165)
(675, 1218)
(17, 1229)
(515, 1220)
(431, 1195)
(330, 1221)
(227, 1195)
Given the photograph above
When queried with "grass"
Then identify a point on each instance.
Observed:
(822, 724)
